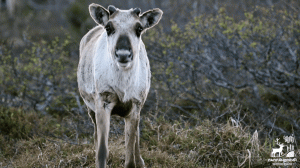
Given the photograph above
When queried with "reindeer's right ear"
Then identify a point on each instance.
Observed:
(99, 14)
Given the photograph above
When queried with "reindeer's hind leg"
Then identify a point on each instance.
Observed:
(93, 117)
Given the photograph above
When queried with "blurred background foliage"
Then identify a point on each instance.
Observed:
(212, 62)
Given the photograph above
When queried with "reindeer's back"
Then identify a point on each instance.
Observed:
(89, 39)
(85, 67)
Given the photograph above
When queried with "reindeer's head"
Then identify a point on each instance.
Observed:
(124, 29)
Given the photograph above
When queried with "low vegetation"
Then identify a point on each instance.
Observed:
(33, 140)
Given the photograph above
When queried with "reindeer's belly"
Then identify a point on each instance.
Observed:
(122, 109)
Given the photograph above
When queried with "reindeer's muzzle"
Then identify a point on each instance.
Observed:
(123, 50)
(124, 56)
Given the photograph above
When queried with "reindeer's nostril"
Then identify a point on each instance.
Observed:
(123, 56)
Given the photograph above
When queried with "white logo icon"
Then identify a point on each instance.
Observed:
(290, 148)
(285, 154)
(277, 152)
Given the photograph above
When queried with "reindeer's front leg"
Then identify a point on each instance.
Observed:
(104, 106)
(93, 118)
(138, 158)
(131, 138)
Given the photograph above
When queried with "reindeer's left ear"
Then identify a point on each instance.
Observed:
(151, 18)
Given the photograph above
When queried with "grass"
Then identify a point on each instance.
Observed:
(163, 144)
(206, 145)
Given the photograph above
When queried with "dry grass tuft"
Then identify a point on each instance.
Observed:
(163, 144)
(208, 145)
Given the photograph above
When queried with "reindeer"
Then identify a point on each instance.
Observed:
(114, 75)
(277, 150)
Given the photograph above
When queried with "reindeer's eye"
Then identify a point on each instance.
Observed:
(110, 28)
(138, 30)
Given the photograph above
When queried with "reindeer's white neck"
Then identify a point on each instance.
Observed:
(126, 83)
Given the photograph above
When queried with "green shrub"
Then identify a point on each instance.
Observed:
(216, 58)
(42, 77)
